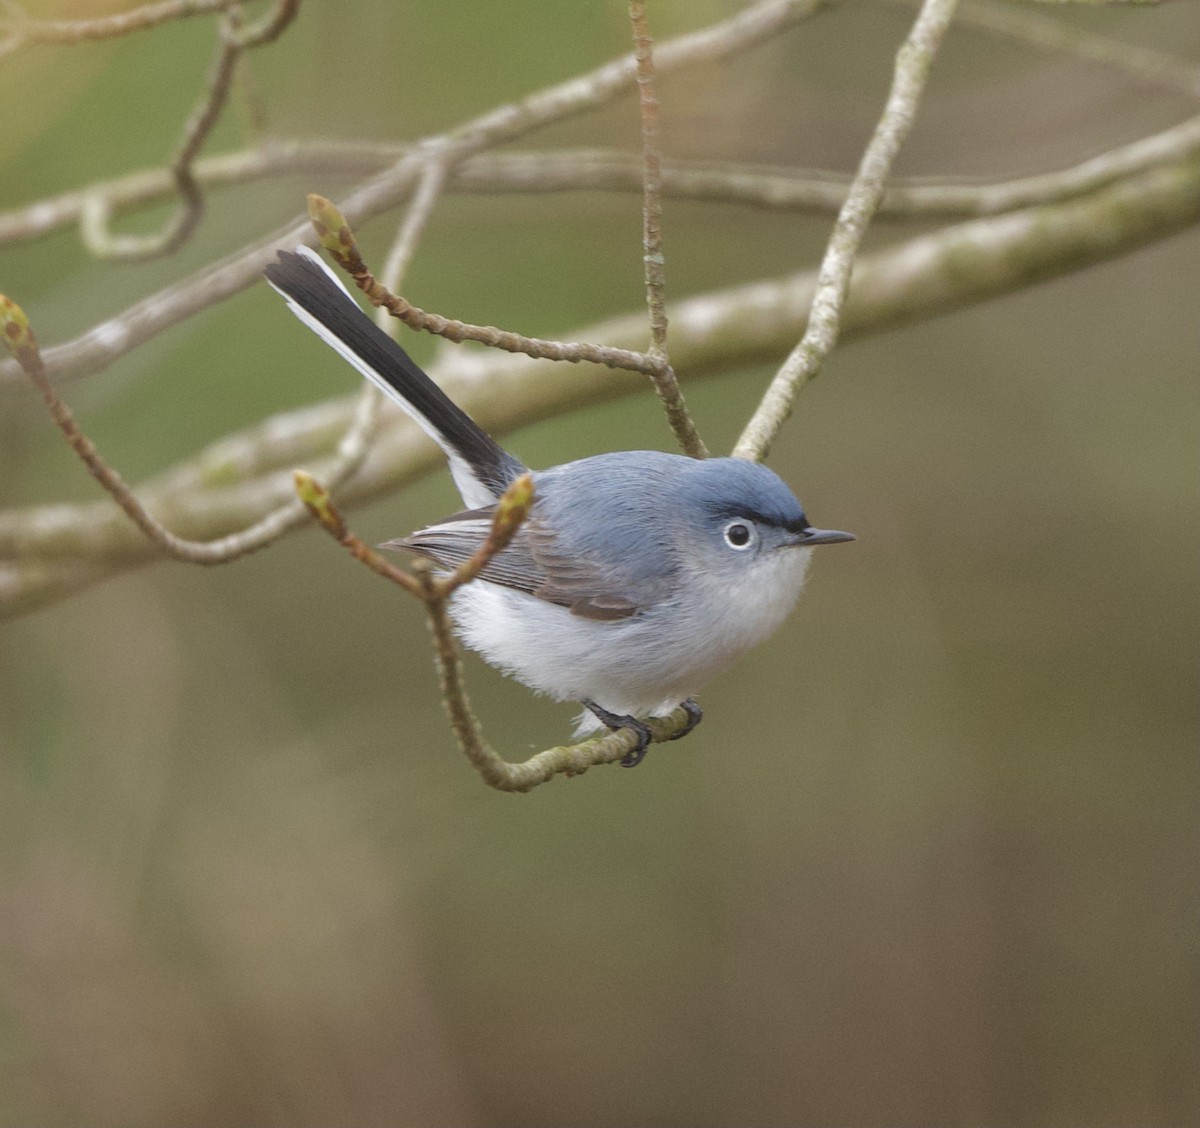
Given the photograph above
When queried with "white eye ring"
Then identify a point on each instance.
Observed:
(739, 535)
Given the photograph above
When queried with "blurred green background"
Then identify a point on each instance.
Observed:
(932, 857)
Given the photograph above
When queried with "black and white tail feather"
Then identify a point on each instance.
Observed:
(481, 468)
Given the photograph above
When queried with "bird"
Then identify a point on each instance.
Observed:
(637, 576)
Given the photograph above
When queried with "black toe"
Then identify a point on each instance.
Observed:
(616, 721)
(695, 716)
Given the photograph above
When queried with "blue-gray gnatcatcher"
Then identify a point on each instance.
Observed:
(637, 575)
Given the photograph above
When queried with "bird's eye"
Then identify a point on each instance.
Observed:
(739, 534)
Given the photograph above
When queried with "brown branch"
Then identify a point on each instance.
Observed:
(662, 375)
(22, 342)
(96, 216)
(320, 505)
(652, 245)
(512, 508)
(404, 246)
(28, 30)
(505, 775)
(336, 236)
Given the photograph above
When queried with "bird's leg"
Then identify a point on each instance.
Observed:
(695, 716)
(615, 721)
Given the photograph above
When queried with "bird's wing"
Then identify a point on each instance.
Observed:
(533, 562)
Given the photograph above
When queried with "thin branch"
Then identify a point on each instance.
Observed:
(652, 244)
(573, 352)
(512, 509)
(23, 343)
(319, 504)
(96, 216)
(416, 219)
(107, 27)
(666, 384)
(338, 239)
(263, 531)
(273, 157)
(56, 550)
(913, 62)
(95, 223)
(269, 28)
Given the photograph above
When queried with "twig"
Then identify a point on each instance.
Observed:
(512, 508)
(96, 215)
(22, 342)
(20, 339)
(270, 27)
(913, 62)
(338, 239)
(416, 218)
(107, 27)
(652, 249)
(320, 505)
(662, 374)
(511, 511)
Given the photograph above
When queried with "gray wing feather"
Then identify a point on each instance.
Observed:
(532, 563)
(598, 539)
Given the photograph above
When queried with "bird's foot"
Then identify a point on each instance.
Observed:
(695, 716)
(616, 721)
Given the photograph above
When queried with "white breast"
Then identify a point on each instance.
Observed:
(641, 666)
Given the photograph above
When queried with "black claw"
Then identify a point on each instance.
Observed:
(637, 754)
(695, 716)
(615, 721)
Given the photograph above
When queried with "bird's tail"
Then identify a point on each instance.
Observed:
(482, 469)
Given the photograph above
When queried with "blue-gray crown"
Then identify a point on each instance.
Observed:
(734, 487)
